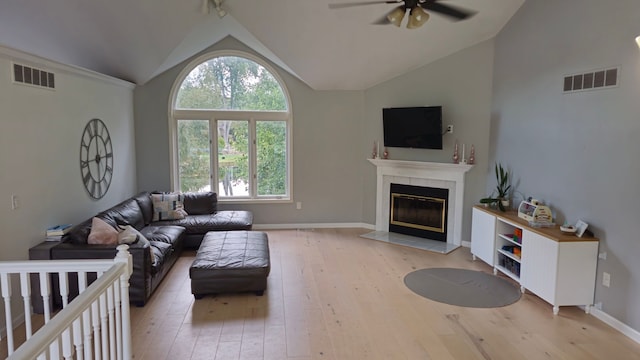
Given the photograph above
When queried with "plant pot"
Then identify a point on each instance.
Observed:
(505, 203)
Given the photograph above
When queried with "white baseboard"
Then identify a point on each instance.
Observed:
(313, 226)
(616, 324)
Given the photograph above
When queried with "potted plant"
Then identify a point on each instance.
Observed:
(502, 189)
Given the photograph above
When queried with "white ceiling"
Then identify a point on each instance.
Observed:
(329, 49)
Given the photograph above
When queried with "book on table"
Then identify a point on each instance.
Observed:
(59, 230)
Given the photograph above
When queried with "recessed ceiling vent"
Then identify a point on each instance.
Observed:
(31, 76)
(593, 80)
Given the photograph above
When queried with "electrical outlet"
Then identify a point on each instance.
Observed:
(606, 279)
(602, 256)
(598, 305)
(449, 129)
(14, 202)
(299, 205)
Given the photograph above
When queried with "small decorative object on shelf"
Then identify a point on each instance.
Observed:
(456, 157)
(581, 227)
(472, 155)
(568, 228)
(58, 230)
(374, 153)
(463, 160)
(385, 154)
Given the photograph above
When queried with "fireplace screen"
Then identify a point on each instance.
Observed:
(418, 211)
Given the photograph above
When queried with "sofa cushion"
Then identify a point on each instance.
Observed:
(126, 213)
(146, 206)
(129, 235)
(79, 233)
(159, 252)
(102, 233)
(166, 234)
(168, 207)
(200, 203)
(220, 221)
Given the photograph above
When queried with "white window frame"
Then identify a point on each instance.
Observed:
(214, 115)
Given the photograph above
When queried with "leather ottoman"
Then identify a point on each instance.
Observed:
(230, 262)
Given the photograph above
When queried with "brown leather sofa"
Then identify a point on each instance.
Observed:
(152, 259)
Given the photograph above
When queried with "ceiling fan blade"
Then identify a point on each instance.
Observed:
(346, 5)
(447, 10)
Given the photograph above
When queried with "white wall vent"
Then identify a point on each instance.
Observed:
(592, 80)
(24, 74)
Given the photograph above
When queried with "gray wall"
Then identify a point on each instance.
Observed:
(326, 138)
(39, 152)
(40, 146)
(577, 152)
(461, 84)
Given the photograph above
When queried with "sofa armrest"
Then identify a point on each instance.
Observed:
(139, 282)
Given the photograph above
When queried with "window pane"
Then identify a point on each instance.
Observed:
(271, 146)
(231, 83)
(233, 159)
(194, 156)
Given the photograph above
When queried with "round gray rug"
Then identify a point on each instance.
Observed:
(462, 287)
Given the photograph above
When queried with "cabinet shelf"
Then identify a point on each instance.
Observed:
(504, 270)
(509, 255)
(509, 238)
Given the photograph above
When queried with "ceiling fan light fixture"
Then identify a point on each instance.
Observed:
(219, 9)
(396, 15)
(417, 18)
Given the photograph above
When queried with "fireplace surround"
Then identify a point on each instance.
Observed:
(423, 174)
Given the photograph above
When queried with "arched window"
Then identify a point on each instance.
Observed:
(231, 129)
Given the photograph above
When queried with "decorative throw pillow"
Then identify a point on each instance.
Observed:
(129, 235)
(168, 207)
(102, 233)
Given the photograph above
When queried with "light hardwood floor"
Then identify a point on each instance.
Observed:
(334, 295)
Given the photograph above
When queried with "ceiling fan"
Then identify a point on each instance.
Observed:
(417, 13)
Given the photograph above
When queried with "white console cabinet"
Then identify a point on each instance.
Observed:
(559, 268)
(483, 236)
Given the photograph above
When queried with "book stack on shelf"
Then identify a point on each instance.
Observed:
(55, 233)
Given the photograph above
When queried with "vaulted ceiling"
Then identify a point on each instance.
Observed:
(328, 49)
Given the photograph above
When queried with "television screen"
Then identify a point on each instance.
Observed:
(413, 127)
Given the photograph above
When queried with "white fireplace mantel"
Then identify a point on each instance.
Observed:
(420, 173)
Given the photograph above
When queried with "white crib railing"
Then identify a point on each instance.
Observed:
(95, 324)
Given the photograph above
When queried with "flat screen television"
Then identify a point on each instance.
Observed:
(413, 127)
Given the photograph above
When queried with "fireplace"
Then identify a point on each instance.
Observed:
(418, 211)
(421, 174)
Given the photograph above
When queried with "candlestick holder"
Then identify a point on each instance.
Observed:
(456, 158)
(463, 160)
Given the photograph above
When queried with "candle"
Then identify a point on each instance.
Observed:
(463, 158)
(378, 150)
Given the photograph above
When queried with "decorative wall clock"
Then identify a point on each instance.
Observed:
(96, 158)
